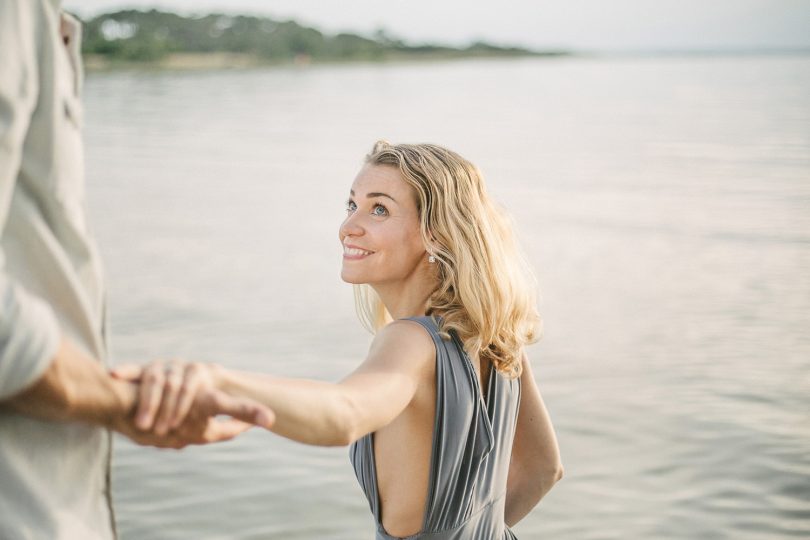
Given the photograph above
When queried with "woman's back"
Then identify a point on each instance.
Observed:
(470, 450)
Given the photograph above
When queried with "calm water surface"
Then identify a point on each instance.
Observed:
(665, 204)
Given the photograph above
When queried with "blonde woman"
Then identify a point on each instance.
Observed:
(448, 434)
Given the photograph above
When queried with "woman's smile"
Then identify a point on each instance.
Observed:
(354, 253)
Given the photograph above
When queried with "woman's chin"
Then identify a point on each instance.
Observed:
(348, 277)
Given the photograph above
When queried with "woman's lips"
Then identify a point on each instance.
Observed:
(355, 253)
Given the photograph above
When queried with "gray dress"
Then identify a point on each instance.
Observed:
(472, 445)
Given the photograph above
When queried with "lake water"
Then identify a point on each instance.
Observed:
(664, 203)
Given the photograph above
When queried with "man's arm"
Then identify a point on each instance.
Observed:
(75, 387)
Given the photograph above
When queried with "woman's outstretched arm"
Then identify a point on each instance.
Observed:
(535, 466)
(317, 412)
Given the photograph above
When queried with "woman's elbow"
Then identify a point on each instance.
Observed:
(342, 439)
(346, 426)
(333, 434)
(546, 479)
(347, 435)
(555, 474)
(527, 491)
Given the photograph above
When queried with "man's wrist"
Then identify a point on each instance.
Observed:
(77, 388)
(122, 407)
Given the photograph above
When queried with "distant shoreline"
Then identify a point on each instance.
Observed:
(224, 60)
(235, 61)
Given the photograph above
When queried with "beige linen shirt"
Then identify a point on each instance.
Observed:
(54, 477)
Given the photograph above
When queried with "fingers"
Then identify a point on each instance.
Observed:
(172, 388)
(146, 438)
(225, 430)
(244, 409)
(149, 395)
(127, 372)
(193, 381)
(177, 401)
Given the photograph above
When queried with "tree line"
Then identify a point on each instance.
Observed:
(144, 36)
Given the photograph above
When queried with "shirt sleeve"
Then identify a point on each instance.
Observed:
(29, 331)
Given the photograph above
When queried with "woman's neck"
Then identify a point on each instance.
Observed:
(406, 299)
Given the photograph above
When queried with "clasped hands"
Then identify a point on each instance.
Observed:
(178, 404)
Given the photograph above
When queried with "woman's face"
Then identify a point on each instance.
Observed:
(380, 235)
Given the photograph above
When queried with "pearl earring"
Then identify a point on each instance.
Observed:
(431, 259)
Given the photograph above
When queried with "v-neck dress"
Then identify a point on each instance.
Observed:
(472, 446)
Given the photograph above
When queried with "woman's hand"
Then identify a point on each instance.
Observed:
(178, 403)
(167, 391)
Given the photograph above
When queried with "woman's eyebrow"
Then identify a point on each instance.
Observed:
(375, 194)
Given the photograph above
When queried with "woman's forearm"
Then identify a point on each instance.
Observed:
(307, 411)
(535, 466)
(400, 360)
(524, 493)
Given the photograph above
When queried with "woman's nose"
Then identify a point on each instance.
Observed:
(351, 226)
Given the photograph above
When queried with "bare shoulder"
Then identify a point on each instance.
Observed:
(404, 342)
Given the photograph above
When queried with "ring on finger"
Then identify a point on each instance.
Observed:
(173, 373)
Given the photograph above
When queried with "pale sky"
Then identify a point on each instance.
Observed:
(606, 25)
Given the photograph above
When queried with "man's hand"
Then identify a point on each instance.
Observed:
(178, 404)
(197, 429)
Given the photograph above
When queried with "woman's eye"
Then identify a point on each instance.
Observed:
(379, 210)
(351, 206)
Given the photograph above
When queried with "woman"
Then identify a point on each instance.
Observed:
(449, 435)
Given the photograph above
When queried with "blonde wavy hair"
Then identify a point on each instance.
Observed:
(486, 292)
